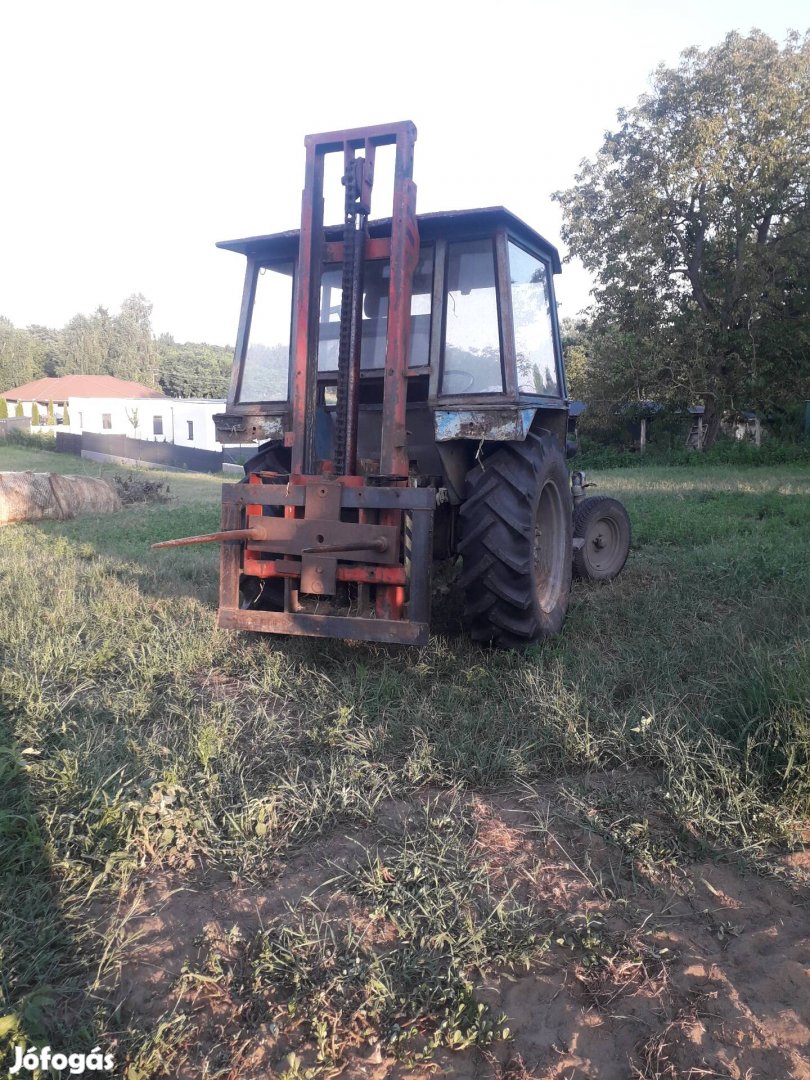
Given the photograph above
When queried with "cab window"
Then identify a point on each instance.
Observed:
(472, 345)
(534, 332)
(376, 278)
(266, 367)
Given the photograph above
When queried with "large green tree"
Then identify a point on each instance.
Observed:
(21, 356)
(82, 347)
(132, 353)
(193, 369)
(121, 344)
(693, 217)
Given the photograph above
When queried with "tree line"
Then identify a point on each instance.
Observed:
(122, 345)
(693, 218)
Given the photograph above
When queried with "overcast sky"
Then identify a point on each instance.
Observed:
(136, 134)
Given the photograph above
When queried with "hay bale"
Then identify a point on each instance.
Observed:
(30, 496)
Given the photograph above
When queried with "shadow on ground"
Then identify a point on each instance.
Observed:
(45, 996)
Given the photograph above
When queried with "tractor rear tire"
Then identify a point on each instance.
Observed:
(516, 542)
(604, 527)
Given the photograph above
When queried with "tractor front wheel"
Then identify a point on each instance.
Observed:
(602, 524)
(516, 542)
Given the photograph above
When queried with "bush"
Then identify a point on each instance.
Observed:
(65, 417)
(19, 411)
(37, 440)
(34, 414)
(786, 422)
(137, 489)
(51, 418)
(3, 409)
(724, 452)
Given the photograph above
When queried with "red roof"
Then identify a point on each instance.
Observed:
(90, 386)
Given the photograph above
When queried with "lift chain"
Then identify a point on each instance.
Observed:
(357, 182)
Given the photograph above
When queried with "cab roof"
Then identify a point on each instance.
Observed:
(448, 224)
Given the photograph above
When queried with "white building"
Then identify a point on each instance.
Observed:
(59, 390)
(104, 405)
(184, 421)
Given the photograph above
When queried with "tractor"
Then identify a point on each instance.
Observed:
(404, 382)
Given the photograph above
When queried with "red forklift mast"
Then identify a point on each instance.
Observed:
(349, 554)
(403, 251)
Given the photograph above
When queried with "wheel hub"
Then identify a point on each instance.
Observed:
(604, 542)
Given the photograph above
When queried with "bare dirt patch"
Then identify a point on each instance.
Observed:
(700, 973)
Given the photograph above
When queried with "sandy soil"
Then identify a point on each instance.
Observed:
(708, 969)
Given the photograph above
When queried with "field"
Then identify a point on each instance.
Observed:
(226, 855)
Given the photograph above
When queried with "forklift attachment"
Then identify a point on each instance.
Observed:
(328, 545)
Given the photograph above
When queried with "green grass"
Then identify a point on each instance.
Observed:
(725, 451)
(138, 739)
(192, 509)
(413, 993)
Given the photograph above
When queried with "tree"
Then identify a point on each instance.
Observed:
(83, 347)
(19, 410)
(574, 340)
(34, 414)
(46, 343)
(193, 370)
(3, 409)
(122, 345)
(132, 417)
(132, 353)
(65, 417)
(693, 217)
(21, 356)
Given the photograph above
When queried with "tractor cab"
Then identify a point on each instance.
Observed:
(484, 349)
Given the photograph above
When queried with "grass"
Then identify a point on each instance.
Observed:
(138, 740)
(725, 451)
(404, 980)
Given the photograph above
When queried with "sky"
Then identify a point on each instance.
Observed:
(137, 134)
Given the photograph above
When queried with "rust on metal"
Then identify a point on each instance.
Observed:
(318, 575)
(406, 632)
(214, 538)
(349, 547)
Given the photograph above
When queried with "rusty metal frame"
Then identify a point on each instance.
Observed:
(316, 531)
(242, 507)
(404, 249)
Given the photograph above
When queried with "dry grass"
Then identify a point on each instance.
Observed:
(484, 841)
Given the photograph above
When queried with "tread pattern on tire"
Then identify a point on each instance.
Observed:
(496, 526)
(582, 512)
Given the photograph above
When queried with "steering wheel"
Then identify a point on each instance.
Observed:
(457, 373)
